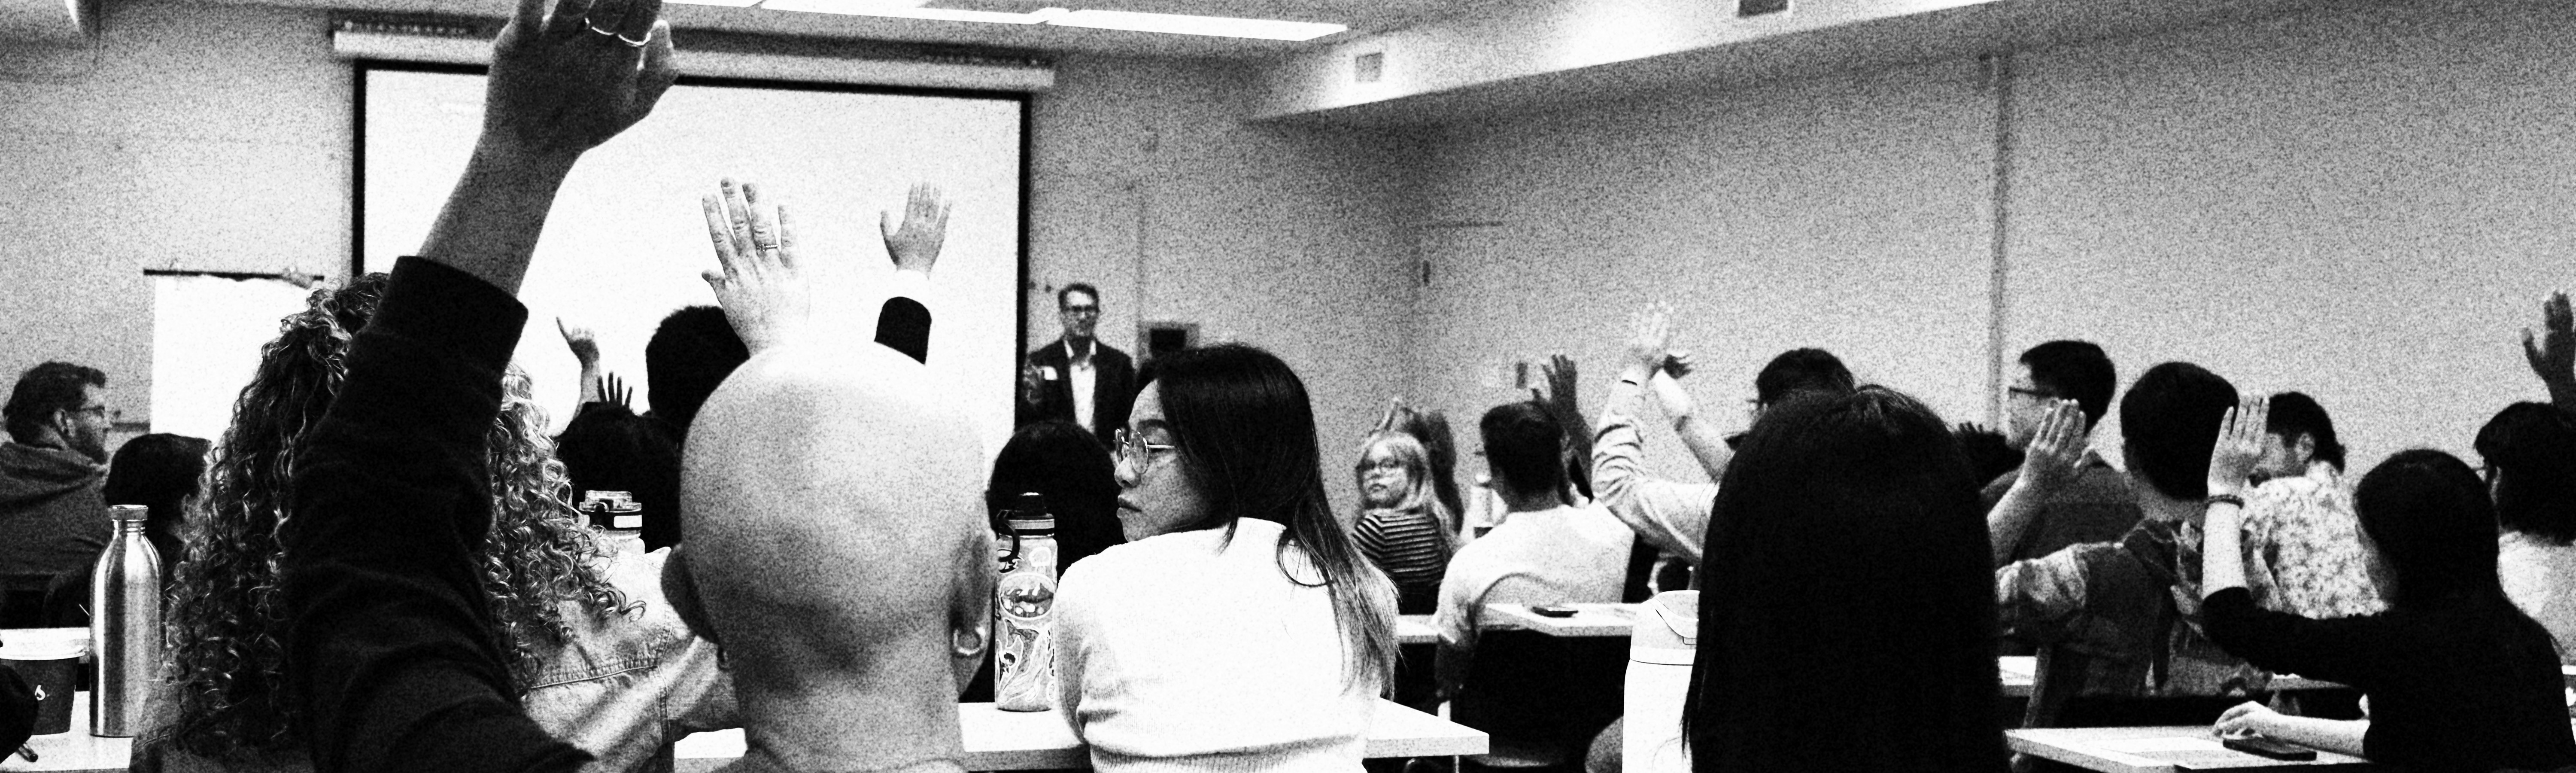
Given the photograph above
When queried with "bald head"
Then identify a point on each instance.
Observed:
(836, 541)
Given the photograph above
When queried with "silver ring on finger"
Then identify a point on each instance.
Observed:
(633, 43)
(595, 30)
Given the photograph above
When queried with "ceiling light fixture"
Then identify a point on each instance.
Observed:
(1218, 26)
(909, 9)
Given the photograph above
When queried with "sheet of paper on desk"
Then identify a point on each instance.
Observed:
(2167, 744)
(2187, 752)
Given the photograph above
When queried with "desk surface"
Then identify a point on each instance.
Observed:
(995, 740)
(2020, 671)
(1589, 620)
(2152, 750)
(1026, 740)
(1415, 629)
(75, 750)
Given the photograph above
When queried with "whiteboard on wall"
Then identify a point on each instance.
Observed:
(207, 332)
(626, 241)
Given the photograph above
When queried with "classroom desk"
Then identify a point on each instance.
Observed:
(1589, 620)
(2020, 671)
(2153, 750)
(995, 740)
(1415, 629)
(75, 750)
(1028, 740)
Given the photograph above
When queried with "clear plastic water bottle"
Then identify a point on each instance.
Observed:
(1024, 608)
(124, 626)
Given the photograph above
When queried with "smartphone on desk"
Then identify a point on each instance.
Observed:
(1553, 611)
(2266, 747)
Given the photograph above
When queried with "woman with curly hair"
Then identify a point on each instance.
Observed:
(599, 660)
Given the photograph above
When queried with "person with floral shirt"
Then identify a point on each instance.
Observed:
(2303, 546)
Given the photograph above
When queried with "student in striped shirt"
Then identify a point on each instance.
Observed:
(1402, 526)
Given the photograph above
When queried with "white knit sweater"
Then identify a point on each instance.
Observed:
(1186, 652)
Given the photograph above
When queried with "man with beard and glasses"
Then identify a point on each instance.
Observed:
(52, 519)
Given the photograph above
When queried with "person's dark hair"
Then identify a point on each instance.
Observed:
(2428, 515)
(1990, 455)
(42, 390)
(2531, 451)
(1525, 445)
(2075, 370)
(1847, 553)
(1798, 370)
(1063, 462)
(2295, 414)
(2168, 424)
(689, 355)
(159, 471)
(1076, 287)
(1242, 421)
(607, 447)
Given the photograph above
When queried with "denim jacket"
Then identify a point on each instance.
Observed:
(624, 689)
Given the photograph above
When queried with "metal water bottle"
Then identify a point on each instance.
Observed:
(124, 626)
(1024, 608)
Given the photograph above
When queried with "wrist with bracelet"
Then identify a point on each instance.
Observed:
(2223, 499)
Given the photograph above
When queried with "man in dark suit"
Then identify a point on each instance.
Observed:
(1078, 378)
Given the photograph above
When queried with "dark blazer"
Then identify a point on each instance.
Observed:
(1112, 396)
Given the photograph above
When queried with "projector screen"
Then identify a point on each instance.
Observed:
(626, 241)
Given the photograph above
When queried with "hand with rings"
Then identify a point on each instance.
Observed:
(762, 288)
(565, 81)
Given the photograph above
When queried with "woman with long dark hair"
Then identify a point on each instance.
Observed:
(1239, 627)
(2458, 679)
(1847, 609)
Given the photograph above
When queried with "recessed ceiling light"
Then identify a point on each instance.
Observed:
(1177, 24)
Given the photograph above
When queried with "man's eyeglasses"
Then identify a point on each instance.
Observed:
(1133, 449)
(100, 410)
(1081, 309)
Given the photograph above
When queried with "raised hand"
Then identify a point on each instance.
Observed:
(2056, 447)
(1559, 372)
(583, 343)
(2553, 352)
(566, 81)
(914, 245)
(1650, 348)
(2240, 445)
(614, 390)
(762, 289)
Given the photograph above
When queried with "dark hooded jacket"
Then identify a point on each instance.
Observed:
(51, 514)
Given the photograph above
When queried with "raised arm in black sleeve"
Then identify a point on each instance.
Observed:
(2341, 650)
(387, 650)
(904, 325)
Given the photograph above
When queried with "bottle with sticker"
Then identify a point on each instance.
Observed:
(618, 518)
(1024, 612)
